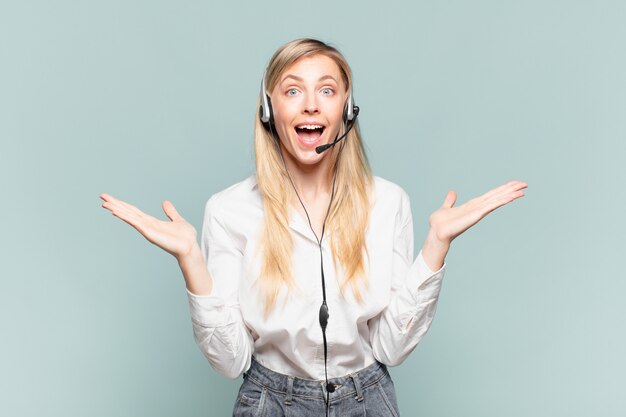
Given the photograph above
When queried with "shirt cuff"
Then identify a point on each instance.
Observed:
(207, 310)
(420, 275)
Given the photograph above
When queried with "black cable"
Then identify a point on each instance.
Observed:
(323, 314)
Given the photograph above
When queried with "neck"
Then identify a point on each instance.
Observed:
(311, 181)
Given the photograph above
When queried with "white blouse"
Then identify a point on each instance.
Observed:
(229, 326)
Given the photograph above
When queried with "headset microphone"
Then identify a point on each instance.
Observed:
(323, 148)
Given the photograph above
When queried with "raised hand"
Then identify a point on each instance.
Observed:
(449, 222)
(176, 237)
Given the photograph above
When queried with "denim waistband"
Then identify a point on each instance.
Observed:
(296, 386)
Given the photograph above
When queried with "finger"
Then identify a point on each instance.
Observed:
(112, 201)
(170, 211)
(122, 203)
(499, 202)
(515, 184)
(114, 206)
(130, 217)
(496, 191)
(130, 207)
(130, 222)
(450, 199)
(121, 211)
(507, 196)
(106, 197)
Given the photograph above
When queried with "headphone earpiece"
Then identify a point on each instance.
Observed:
(350, 111)
(265, 109)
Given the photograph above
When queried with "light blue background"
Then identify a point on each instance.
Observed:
(154, 100)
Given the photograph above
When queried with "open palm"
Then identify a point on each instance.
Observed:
(177, 236)
(449, 222)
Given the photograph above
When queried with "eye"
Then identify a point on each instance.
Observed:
(327, 91)
(292, 92)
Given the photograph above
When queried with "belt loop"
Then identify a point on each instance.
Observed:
(289, 390)
(357, 385)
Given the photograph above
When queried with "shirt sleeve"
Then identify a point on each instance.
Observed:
(397, 330)
(218, 325)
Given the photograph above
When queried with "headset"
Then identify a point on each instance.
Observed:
(266, 115)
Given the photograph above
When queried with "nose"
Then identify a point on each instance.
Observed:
(310, 104)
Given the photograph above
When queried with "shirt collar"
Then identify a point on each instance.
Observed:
(253, 182)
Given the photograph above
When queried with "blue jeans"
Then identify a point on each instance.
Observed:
(264, 392)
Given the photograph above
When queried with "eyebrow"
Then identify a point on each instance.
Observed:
(295, 77)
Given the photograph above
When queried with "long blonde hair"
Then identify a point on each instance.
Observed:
(349, 216)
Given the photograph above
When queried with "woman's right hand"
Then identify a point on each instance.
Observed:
(176, 237)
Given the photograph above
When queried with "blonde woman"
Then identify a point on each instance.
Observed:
(304, 279)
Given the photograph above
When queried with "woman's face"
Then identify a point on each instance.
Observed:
(308, 104)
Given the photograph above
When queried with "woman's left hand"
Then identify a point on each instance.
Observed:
(449, 222)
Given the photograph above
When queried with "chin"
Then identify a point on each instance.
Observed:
(309, 157)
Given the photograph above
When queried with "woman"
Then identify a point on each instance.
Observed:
(257, 280)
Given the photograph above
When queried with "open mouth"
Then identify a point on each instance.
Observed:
(310, 133)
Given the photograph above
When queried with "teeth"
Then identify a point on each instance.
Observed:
(310, 127)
